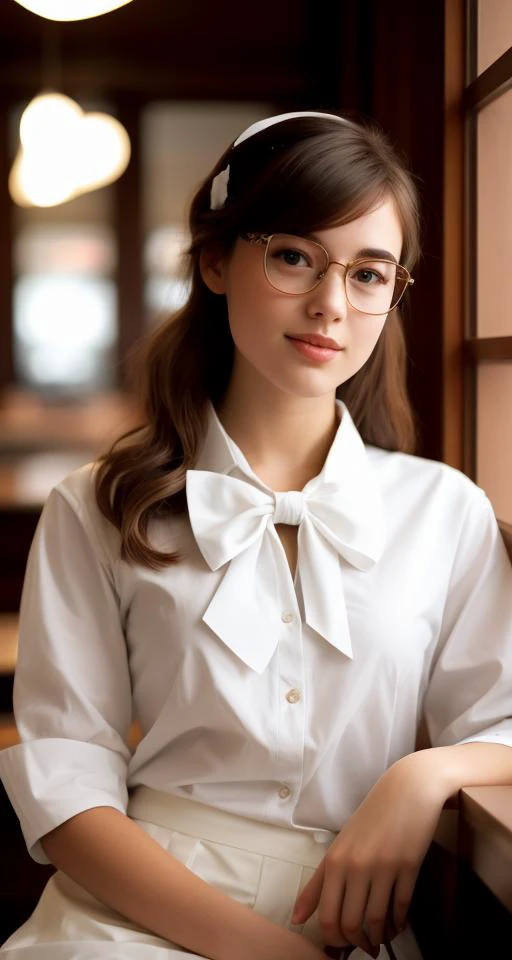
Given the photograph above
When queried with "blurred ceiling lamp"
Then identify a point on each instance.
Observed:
(71, 9)
(65, 152)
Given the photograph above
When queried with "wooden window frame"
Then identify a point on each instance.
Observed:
(480, 91)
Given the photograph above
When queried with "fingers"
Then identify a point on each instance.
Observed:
(378, 907)
(353, 911)
(307, 901)
(356, 904)
(330, 904)
(404, 888)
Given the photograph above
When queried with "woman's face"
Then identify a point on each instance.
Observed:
(267, 325)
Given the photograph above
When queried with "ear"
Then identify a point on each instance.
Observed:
(212, 262)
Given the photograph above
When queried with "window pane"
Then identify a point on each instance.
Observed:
(494, 30)
(64, 296)
(65, 307)
(494, 452)
(166, 289)
(181, 142)
(494, 208)
(63, 331)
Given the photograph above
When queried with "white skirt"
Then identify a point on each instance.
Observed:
(261, 865)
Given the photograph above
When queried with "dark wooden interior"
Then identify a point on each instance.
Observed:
(400, 63)
(380, 60)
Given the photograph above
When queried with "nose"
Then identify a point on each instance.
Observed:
(329, 299)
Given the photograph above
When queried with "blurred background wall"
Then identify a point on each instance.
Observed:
(81, 282)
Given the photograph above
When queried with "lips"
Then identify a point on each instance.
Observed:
(316, 340)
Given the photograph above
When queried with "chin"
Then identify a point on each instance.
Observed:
(308, 391)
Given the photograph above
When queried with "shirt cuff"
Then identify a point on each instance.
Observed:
(48, 781)
(499, 733)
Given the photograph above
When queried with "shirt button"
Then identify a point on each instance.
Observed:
(284, 793)
(287, 617)
(293, 696)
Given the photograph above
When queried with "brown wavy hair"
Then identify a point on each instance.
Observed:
(301, 175)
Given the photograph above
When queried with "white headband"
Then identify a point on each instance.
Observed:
(219, 190)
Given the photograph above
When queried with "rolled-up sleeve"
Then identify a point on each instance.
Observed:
(72, 691)
(469, 695)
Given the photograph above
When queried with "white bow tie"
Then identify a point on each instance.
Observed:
(233, 522)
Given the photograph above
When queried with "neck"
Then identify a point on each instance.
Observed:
(285, 438)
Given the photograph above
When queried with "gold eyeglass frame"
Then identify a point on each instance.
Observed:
(263, 239)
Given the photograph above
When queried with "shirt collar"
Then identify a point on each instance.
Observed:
(221, 454)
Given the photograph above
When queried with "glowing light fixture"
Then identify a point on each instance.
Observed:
(65, 152)
(71, 9)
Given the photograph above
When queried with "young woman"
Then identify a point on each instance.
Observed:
(266, 578)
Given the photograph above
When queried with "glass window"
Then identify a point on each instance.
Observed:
(64, 307)
(166, 289)
(494, 453)
(494, 209)
(494, 31)
(64, 295)
(181, 142)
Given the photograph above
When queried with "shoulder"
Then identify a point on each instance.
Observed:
(74, 501)
(418, 485)
(420, 474)
(78, 488)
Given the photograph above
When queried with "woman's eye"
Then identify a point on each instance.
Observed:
(368, 276)
(293, 258)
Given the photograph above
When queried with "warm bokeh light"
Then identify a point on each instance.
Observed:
(50, 116)
(102, 152)
(65, 152)
(43, 180)
(71, 9)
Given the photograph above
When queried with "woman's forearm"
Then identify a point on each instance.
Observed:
(473, 764)
(114, 859)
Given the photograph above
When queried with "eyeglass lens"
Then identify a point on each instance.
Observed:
(296, 265)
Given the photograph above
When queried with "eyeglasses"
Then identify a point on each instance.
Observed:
(296, 265)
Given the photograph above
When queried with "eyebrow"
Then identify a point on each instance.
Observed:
(370, 253)
(376, 253)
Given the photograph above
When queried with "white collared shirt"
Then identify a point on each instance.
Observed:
(281, 722)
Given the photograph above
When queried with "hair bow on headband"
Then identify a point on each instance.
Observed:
(219, 191)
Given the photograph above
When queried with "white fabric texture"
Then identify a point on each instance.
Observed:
(262, 866)
(279, 718)
(232, 520)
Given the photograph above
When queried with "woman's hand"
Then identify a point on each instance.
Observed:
(369, 872)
